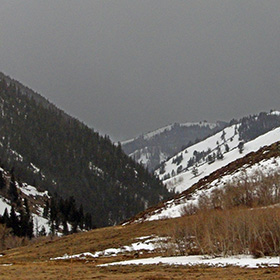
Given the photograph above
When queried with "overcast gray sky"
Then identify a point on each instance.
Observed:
(125, 67)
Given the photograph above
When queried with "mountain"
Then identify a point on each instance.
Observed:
(260, 159)
(48, 148)
(153, 148)
(201, 159)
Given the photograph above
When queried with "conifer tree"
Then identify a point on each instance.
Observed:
(46, 209)
(88, 221)
(14, 222)
(13, 192)
(29, 232)
(241, 147)
(226, 148)
(65, 228)
(6, 217)
(2, 181)
(81, 217)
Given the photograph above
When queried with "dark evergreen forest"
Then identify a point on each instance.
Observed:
(256, 125)
(55, 152)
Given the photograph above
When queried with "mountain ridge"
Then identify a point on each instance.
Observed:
(47, 147)
(154, 147)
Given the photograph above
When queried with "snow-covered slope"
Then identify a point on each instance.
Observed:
(216, 175)
(178, 172)
(179, 175)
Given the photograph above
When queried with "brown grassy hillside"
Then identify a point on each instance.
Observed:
(32, 261)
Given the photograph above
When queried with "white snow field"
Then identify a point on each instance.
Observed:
(186, 179)
(240, 260)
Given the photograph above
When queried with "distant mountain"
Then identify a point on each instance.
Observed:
(199, 160)
(153, 148)
(260, 158)
(48, 148)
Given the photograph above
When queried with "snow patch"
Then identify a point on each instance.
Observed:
(145, 243)
(240, 260)
(32, 191)
(3, 205)
(275, 113)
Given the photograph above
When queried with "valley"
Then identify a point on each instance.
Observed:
(193, 216)
(139, 140)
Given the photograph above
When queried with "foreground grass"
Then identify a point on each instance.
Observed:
(78, 271)
(95, 240)
(33, 261)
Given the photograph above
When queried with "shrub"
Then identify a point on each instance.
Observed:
(229, 232)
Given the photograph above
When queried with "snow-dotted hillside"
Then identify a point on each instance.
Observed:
(184, 176)
(175, 207)
(203, 156)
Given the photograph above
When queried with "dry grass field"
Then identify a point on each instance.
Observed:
(79, 271)
(33, 261)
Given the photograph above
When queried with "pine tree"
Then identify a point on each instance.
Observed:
(26, 221)
(2, 181)
(81, 217)
(219, 154)
(241, 147)
(26, 208)
(14, 222)
(6, 217)
(88, 222)
(30, 227)
(46, 209)
(23, 223)
(226, 148)
(13, 192)
(65, 228)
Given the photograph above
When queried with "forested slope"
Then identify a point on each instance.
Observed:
(48, 148)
